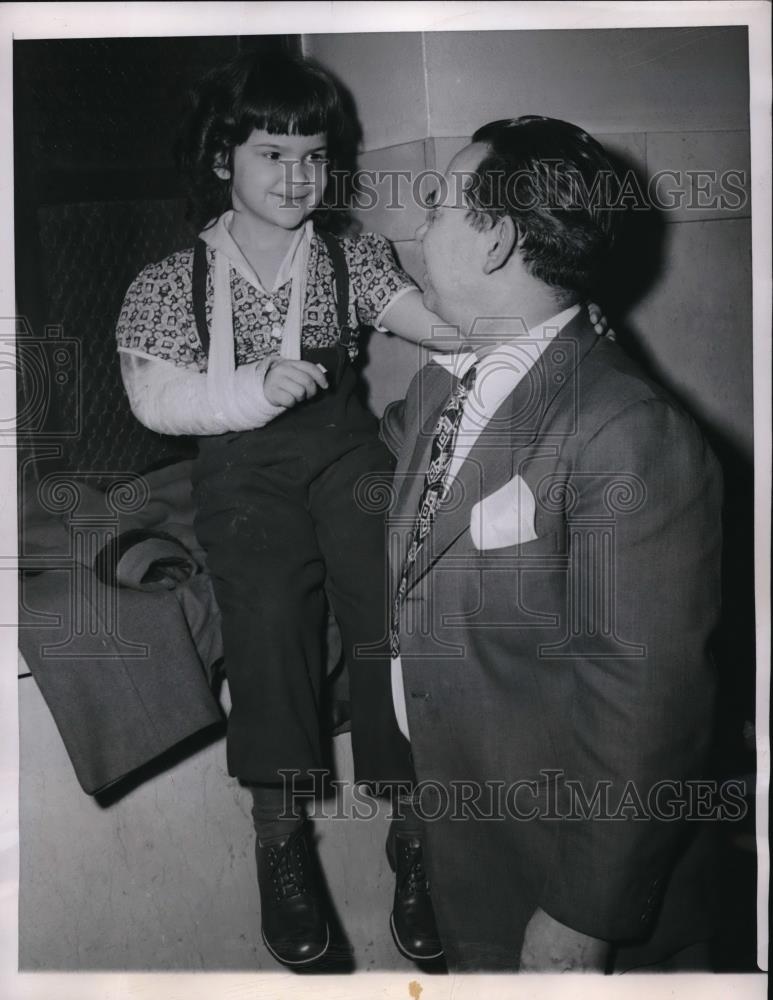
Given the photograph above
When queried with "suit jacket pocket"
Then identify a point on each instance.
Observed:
(546, 546)
(505, 517)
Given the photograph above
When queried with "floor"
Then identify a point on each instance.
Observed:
(164, 878)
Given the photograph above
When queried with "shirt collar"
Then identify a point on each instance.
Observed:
(218, 236)
(459, 363)
(502, 369)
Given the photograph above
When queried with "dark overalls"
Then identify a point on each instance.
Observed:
(278, 513)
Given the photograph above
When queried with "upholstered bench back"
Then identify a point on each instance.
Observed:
(90, 253)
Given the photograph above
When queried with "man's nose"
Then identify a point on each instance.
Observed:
(420, 232)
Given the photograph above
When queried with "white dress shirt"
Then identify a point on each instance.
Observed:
(499, 372)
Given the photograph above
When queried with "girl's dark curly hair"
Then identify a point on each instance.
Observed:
(280, 94)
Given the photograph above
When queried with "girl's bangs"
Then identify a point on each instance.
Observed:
(296, 104)
(290, 121)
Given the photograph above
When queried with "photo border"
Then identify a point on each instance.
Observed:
(73, 20)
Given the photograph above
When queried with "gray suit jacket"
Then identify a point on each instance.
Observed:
(554, 645)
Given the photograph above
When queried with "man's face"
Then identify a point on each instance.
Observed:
(450, 245)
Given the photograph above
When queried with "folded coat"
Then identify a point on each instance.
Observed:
(125, 672)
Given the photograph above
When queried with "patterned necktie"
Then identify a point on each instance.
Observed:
(433, 493)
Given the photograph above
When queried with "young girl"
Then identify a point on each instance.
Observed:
(248, 343)
(283, 441)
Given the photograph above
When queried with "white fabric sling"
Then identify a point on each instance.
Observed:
(222, 365)
(171, 400)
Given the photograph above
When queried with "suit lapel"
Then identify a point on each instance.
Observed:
(493, 457)
(433, 391)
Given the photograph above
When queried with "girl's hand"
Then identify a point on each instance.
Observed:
(289, 382)
(599, 321)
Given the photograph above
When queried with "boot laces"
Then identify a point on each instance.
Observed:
(288, 870)
(415, 877)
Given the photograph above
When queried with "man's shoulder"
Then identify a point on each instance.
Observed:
(611, 381)
(626, 410)
(432, 373)
(403, 417)
(431, 380)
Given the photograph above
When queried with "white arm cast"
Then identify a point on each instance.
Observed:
(172, 400)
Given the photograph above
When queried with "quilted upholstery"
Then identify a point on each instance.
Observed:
(90, 254)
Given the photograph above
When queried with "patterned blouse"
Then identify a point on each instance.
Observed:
(157, 315)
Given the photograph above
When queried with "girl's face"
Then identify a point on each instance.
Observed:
(277, 180)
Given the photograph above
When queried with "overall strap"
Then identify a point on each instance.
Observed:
(340, 271)
(341, 275)
(199, 292)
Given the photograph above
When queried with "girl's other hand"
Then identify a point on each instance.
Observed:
(600, 321)
(289, 382)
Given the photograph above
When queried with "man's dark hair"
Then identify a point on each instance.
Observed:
(558, 186)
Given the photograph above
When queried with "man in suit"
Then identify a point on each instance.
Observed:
(555, 540)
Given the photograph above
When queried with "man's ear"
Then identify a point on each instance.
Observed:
(503, 239)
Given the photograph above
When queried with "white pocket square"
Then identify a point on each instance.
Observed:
(506, 517)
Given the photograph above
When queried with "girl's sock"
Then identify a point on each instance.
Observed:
(273, 813)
